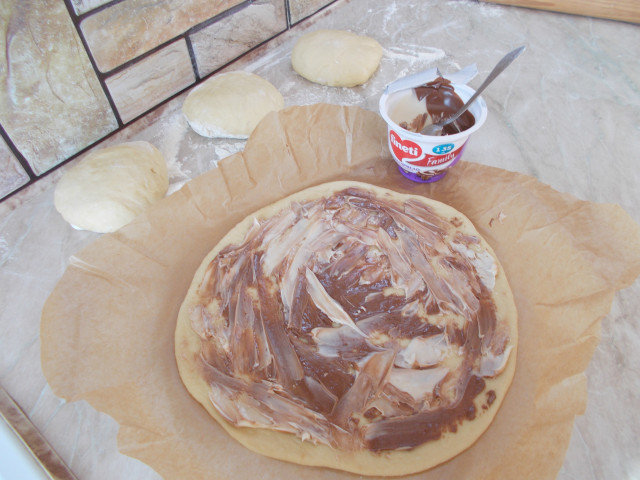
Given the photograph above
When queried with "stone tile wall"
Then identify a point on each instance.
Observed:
(151, 80)
(75, 71)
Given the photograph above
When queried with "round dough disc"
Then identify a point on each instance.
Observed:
(288, 447)
(230, 105)
(336, 58)
(111, 186)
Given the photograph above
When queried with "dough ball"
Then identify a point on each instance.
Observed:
(336, 58)
(230, 105)
(111, 186)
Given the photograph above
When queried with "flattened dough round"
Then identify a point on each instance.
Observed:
(111, 186)
(336, 57)
(230, 105)
(288, 447)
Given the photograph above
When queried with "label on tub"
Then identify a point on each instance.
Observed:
(442, 149)
(404, 148)
(410, 154)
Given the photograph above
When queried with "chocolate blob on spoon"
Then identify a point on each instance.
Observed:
(442, 101)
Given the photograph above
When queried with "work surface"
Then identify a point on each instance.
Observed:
(566, 112)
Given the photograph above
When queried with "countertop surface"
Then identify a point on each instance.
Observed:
(567, 112)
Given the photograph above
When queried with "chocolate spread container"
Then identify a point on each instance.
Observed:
(424, 158)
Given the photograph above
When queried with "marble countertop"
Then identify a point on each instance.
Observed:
(566, 112)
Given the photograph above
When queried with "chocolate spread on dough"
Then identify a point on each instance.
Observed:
(355, 320)
(441, 101)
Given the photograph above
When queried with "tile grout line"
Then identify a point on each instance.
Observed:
(324, 7)
(18, 154)
(82, 16)
(287, 13)
(139, 58)
(101, 79)
(192, 57)
(31, 181)
(216, 18)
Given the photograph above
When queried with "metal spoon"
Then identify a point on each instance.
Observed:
(435, 129)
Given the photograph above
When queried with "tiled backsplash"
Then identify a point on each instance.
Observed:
(74, 71)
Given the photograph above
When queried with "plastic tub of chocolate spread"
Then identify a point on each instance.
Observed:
(424, 158)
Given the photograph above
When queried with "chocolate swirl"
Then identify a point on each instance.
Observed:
(353, 320)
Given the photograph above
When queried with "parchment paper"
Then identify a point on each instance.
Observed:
(107, 329)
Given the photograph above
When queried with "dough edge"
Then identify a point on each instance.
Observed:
(212, 129)
(305, 64)
(73, 182)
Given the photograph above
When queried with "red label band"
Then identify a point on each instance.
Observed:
(403, 148)
(435, 160)
(409, 152)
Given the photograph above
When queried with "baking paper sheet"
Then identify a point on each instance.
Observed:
(107, 328)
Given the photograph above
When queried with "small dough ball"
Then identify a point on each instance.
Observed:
(336, 58)
(230, 105)
(111, 186)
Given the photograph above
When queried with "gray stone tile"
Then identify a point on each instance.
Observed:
(84, 6)
(299, 9)
(12, 175)
(152, 80)
(234, 35)
(51, 103)
(128, 29)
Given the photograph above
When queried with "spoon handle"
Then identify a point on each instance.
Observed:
(497, 70)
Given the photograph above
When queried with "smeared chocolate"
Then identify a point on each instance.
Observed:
(441, 101)
(357, 321)
(413, 430)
